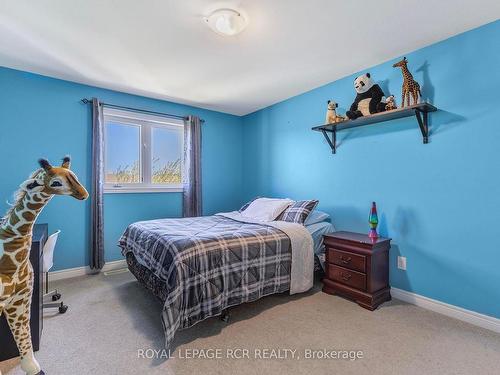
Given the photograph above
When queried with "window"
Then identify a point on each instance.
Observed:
(142, 152)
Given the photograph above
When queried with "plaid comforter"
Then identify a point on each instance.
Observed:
(208, 264)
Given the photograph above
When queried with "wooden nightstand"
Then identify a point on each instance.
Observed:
(357, 268)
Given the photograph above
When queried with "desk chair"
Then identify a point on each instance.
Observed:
(48, 262)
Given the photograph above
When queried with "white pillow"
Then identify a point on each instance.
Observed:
(316, 217)
(266, 209)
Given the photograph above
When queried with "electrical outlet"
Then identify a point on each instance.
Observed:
(402, 263)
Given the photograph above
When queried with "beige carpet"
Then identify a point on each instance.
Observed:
(112, 317)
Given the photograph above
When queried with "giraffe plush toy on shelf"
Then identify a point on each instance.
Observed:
(410, 86)
(16, 273)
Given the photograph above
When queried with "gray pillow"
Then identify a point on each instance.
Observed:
(316, 217)
(299, 211)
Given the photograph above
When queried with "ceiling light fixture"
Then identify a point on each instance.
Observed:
(227, 22)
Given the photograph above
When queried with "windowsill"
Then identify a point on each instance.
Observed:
(128, 190)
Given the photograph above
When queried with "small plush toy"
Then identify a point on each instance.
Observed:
(410, 86)
(331, 113)
(16, 273)
(369, 98)
(390, 103)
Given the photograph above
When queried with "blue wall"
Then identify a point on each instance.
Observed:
(41, 116)
(439, 202)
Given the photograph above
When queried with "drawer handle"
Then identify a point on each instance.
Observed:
(345, 260)
(345, 277)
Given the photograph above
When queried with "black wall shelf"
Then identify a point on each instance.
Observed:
(420, 111)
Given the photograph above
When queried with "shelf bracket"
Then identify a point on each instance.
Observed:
(332, 142)
(423, 124)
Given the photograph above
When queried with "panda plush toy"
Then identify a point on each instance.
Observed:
(369, 98)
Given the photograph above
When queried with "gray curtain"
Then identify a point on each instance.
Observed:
(191, 197)
(97, 218)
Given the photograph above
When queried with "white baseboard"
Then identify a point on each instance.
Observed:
(452, 311)
(82, 271)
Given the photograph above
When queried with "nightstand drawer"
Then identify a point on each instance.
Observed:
(343, 275)
(348, 260)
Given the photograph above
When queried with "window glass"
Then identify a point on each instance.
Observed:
(122, 153)
(166, 155)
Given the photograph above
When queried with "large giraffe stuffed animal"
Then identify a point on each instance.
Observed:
(410, 86)
(16, 274)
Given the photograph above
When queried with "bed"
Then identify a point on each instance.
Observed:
(199, 267)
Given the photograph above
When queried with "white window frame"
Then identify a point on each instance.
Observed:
(146, 122)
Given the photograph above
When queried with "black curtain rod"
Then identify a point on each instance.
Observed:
(87, 101)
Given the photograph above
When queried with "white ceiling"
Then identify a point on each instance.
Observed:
(162, 48)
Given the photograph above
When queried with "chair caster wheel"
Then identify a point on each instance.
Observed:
(63, 309)
(56, 297)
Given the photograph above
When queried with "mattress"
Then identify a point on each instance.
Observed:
(200, 266)
(317, 231)
(208, 264)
